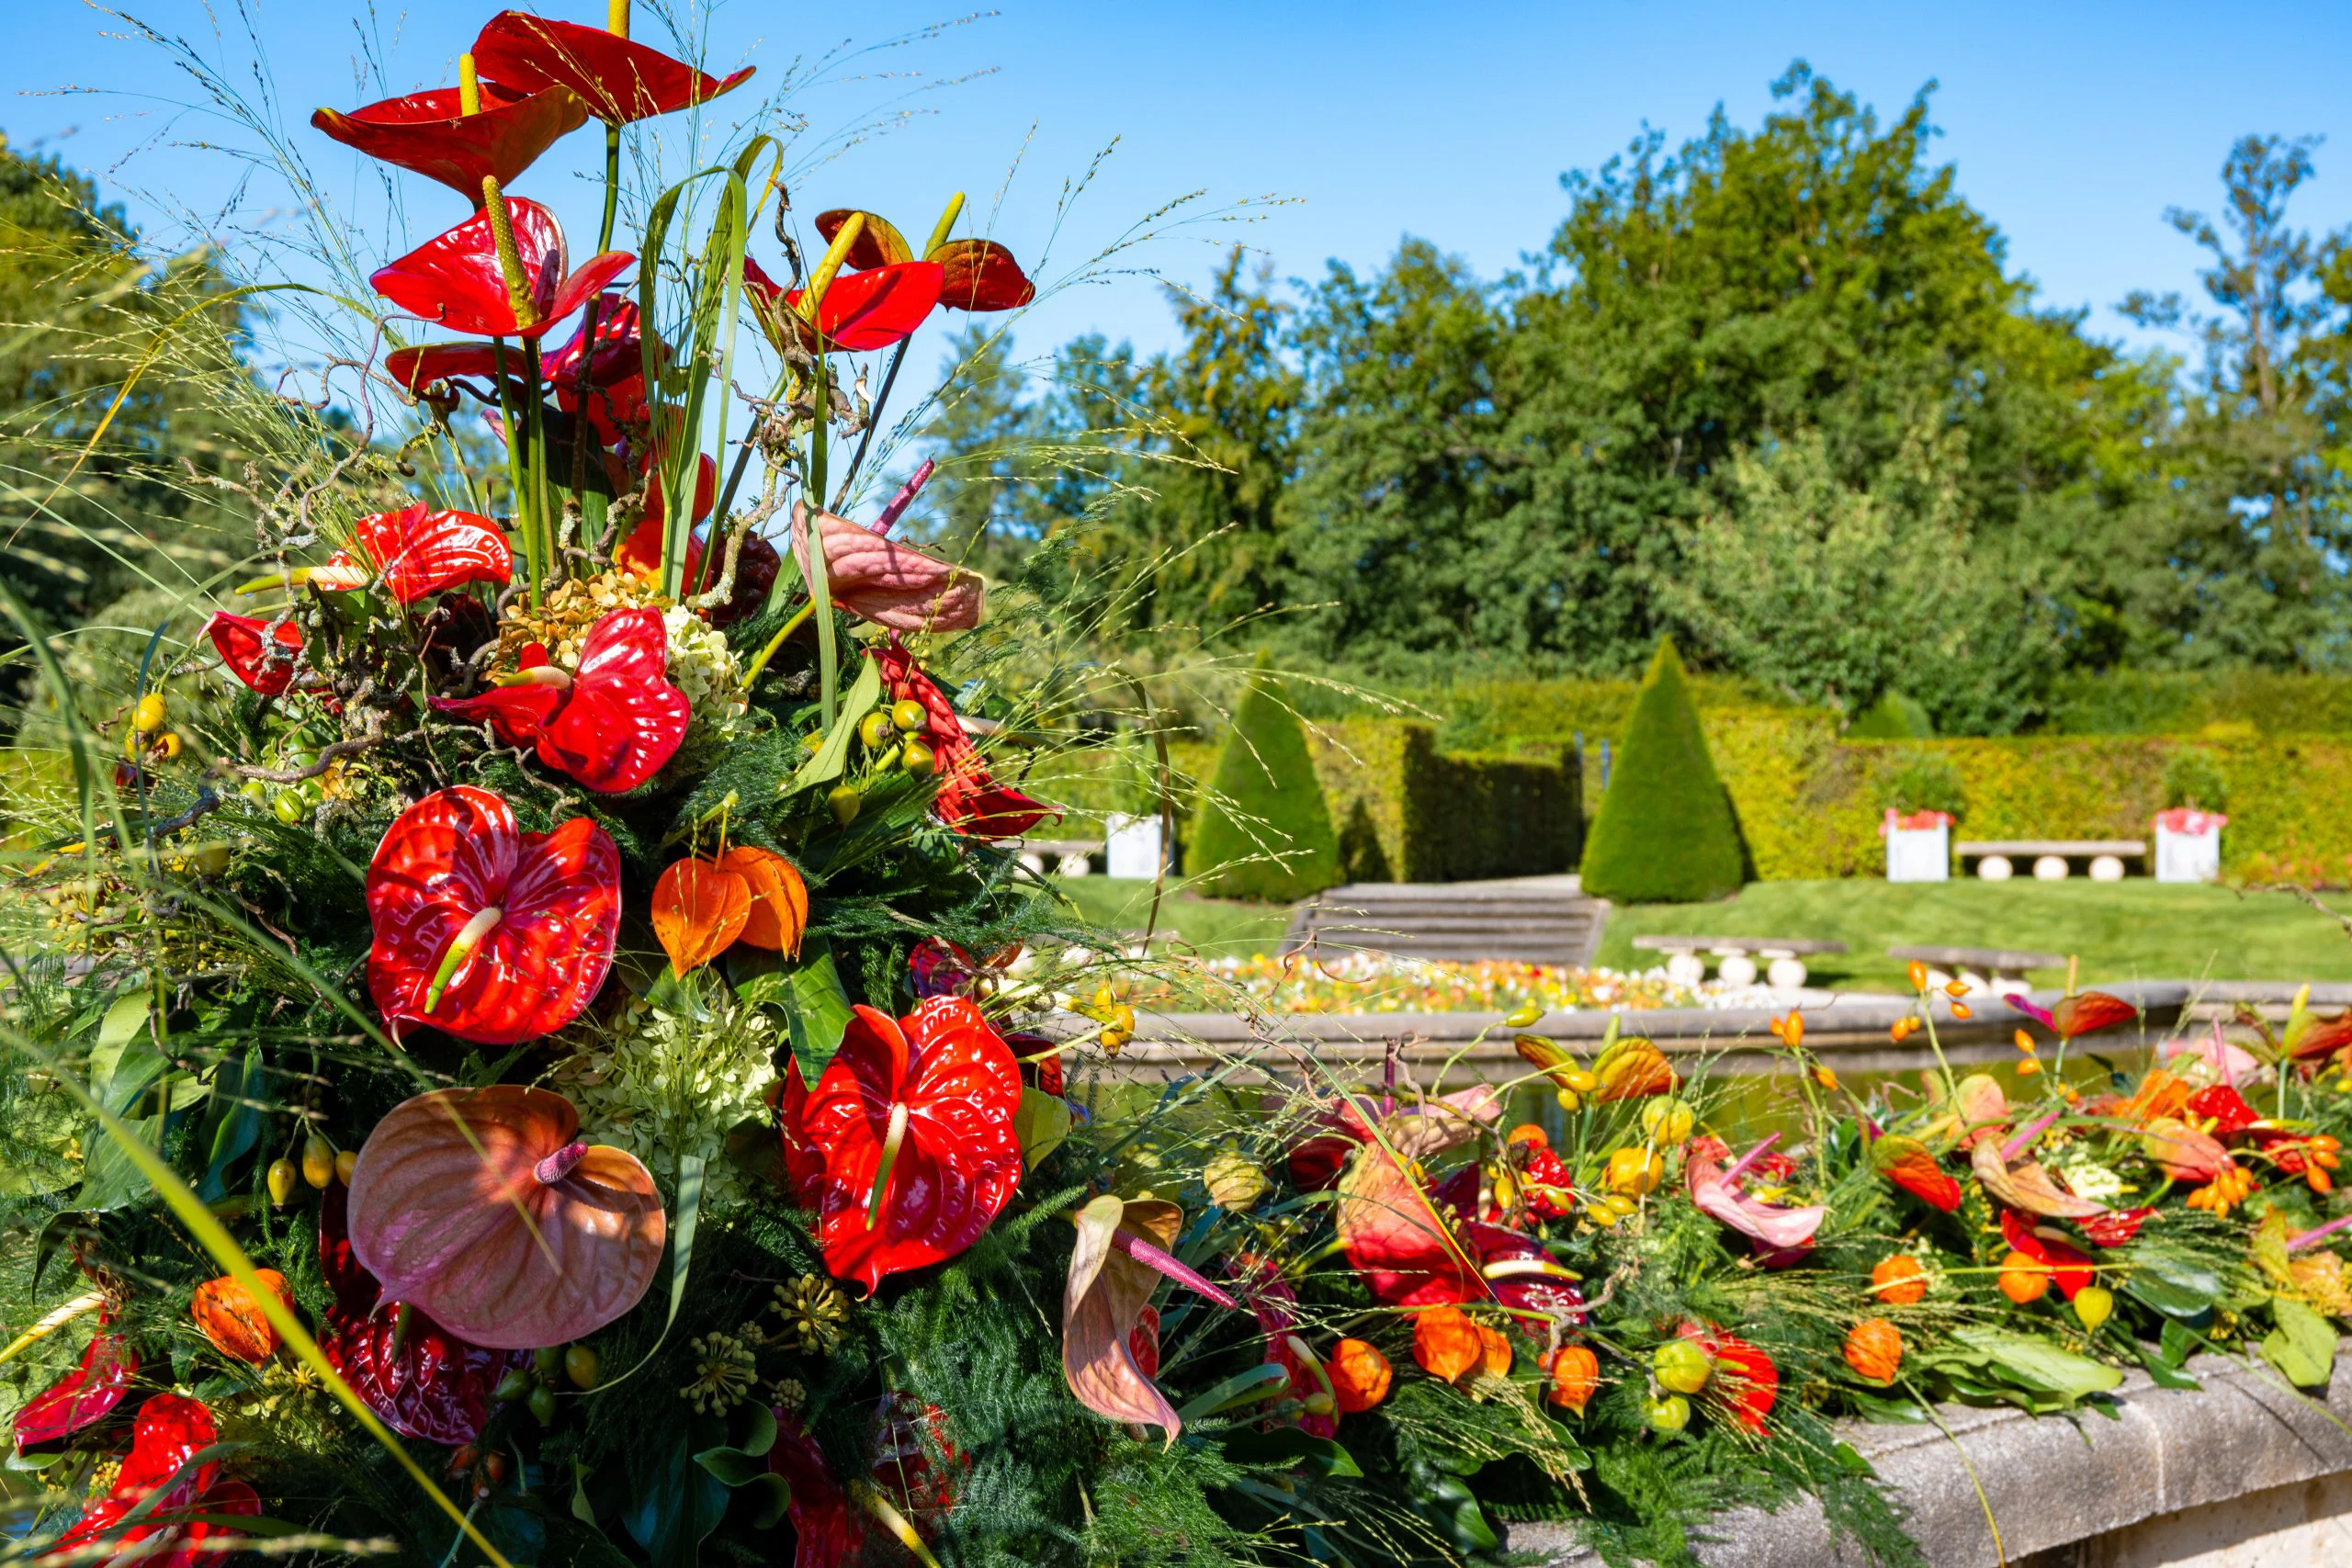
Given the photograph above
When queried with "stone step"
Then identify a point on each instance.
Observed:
(1537, 921)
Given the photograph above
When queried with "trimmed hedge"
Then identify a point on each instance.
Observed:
(1665, 833)
(1264, 829)
(1408, 812)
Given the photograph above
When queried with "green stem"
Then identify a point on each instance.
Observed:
(537, 426)
(612, 186)
(515, 475)
(775, 643)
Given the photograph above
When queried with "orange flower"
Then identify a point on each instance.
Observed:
(1918, 973)
(1528, 1132)
(1446, 1343)
(1899, 1280)
(2024, 1278)
(1575, 1377)
(1359, 1374)
(1494, 1352)
(779, 898)
(1874, 1350)
(699, 910)
(233, 1321)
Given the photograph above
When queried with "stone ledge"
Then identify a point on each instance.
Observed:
(2051, 1481)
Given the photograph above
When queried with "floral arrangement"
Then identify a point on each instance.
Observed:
(523, 1058)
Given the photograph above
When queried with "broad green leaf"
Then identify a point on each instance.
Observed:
(2039, 1364)
(1293, 1449)
(125, 1018)
(833, 756)
(2303, 1344)
(816, 1007)
(2171, 1284)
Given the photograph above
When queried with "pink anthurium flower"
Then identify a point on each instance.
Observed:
(267, 668)
(431, 135)
(455, 278)
(612, 724)
(905, 1149)
(485, 931)
(1781, 1234)
(888, 584)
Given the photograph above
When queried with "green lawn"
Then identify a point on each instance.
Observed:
(2136, 928)
(2122, 931)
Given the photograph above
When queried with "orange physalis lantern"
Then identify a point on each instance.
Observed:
(1446, 1343)
(1359, 1373)
(233, 1321)
(1874, 1350)
(1899, 1280)
(1575, 1377)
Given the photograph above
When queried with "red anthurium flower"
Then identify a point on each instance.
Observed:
(981, 275)
(417, 368)
(827, 1532)
(424, 1380)
(1271, 1301)
(616, 394)
(861, 310)
(2068, 1265)
(2225, 1108)
(1912, 1166)
(969, 800)
(488, 933)
(418, 552)
(84, 1396)
(454, 278)
(2116, 1226)
(268, 669)
(176, 1529)
(905, 1149)
(619, 80)
(2080, 1014)
(430, 134)
(1745, 1378)
(612, 724)
(978, 274)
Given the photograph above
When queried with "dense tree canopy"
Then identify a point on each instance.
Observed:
(1741, 373)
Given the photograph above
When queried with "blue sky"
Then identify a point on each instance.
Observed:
(2074, 125)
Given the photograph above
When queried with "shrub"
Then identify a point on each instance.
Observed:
(1893, 718)
(2193, 777)
(1925, 781)
(1408, 812)
(1665, 833)
(1264, 830)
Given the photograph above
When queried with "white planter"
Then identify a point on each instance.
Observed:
(1132, 846)
(1918, 854)
(2188, 857)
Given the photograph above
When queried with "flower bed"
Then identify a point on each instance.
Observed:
(1377, 983)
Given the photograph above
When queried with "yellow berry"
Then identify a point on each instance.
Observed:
(2093, 1306)
(147, 717)
(875, 731)
(172, 745)
(344, 1164)
(282, 1177)
(909, 716)
(317, 1161)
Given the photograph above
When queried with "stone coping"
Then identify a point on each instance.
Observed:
(1846, 1030)
(2048, 1481)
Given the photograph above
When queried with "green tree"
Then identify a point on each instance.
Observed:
(1665, 833)
(1263, 830)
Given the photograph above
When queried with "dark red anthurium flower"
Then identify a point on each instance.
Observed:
(176, 1529)
(619, 81)
(238, 639)
(424, 1380)
(428, 133)
(905, 1149)
(612, 724)
(415, 552)
(827, 1532)
(969, 800)
(84, 1396)
(454, 278)
(485, 931)
(616, 369)
(978, 274)
(861, 310)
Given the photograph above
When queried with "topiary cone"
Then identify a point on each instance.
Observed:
(1264, 830)
(1665, 833)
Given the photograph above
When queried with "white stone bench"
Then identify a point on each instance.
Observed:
(1785, 956)
(2051, 858)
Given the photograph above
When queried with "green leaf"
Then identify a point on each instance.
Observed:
(673, 1503)
(771, 1494)
(2303, 1344)
(236, 1122)
(732, 1466)
(816, 1007)
(125, 1018)
(833, 756)
(2162, 1372)
(2172, 1284)
(2036, 1363)
(1293, 1449)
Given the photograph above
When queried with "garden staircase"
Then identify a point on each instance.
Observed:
(1530, 919)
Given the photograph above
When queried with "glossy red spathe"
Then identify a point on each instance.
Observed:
(262, 658)
(860, 311)
(611, 722)
(84, 1396)
(618, 79)
(970, 799)
(417, 552)
(178, 1528)
(943, 1088)
(444, 862)
(429, 132)
(455, 280)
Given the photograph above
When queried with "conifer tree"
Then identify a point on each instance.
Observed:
(1264, 830)
(1665, 833)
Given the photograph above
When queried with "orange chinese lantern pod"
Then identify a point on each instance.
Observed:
(699, 910)
(234, 1322)
(1528, 1132)
(1446, 1343)
(1494, 1352)
(1792, 1031)
(1359, 1374)
(1575, 1377)
(1899, 1280)
(2023, 1042)
(1955, 988)
(1874, 1350)
(2027, 1069)
(779, 914)
(1962, 1010)
(1918, 973)
(2024, 1278)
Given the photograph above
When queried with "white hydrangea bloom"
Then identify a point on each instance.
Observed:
(660, 1084)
